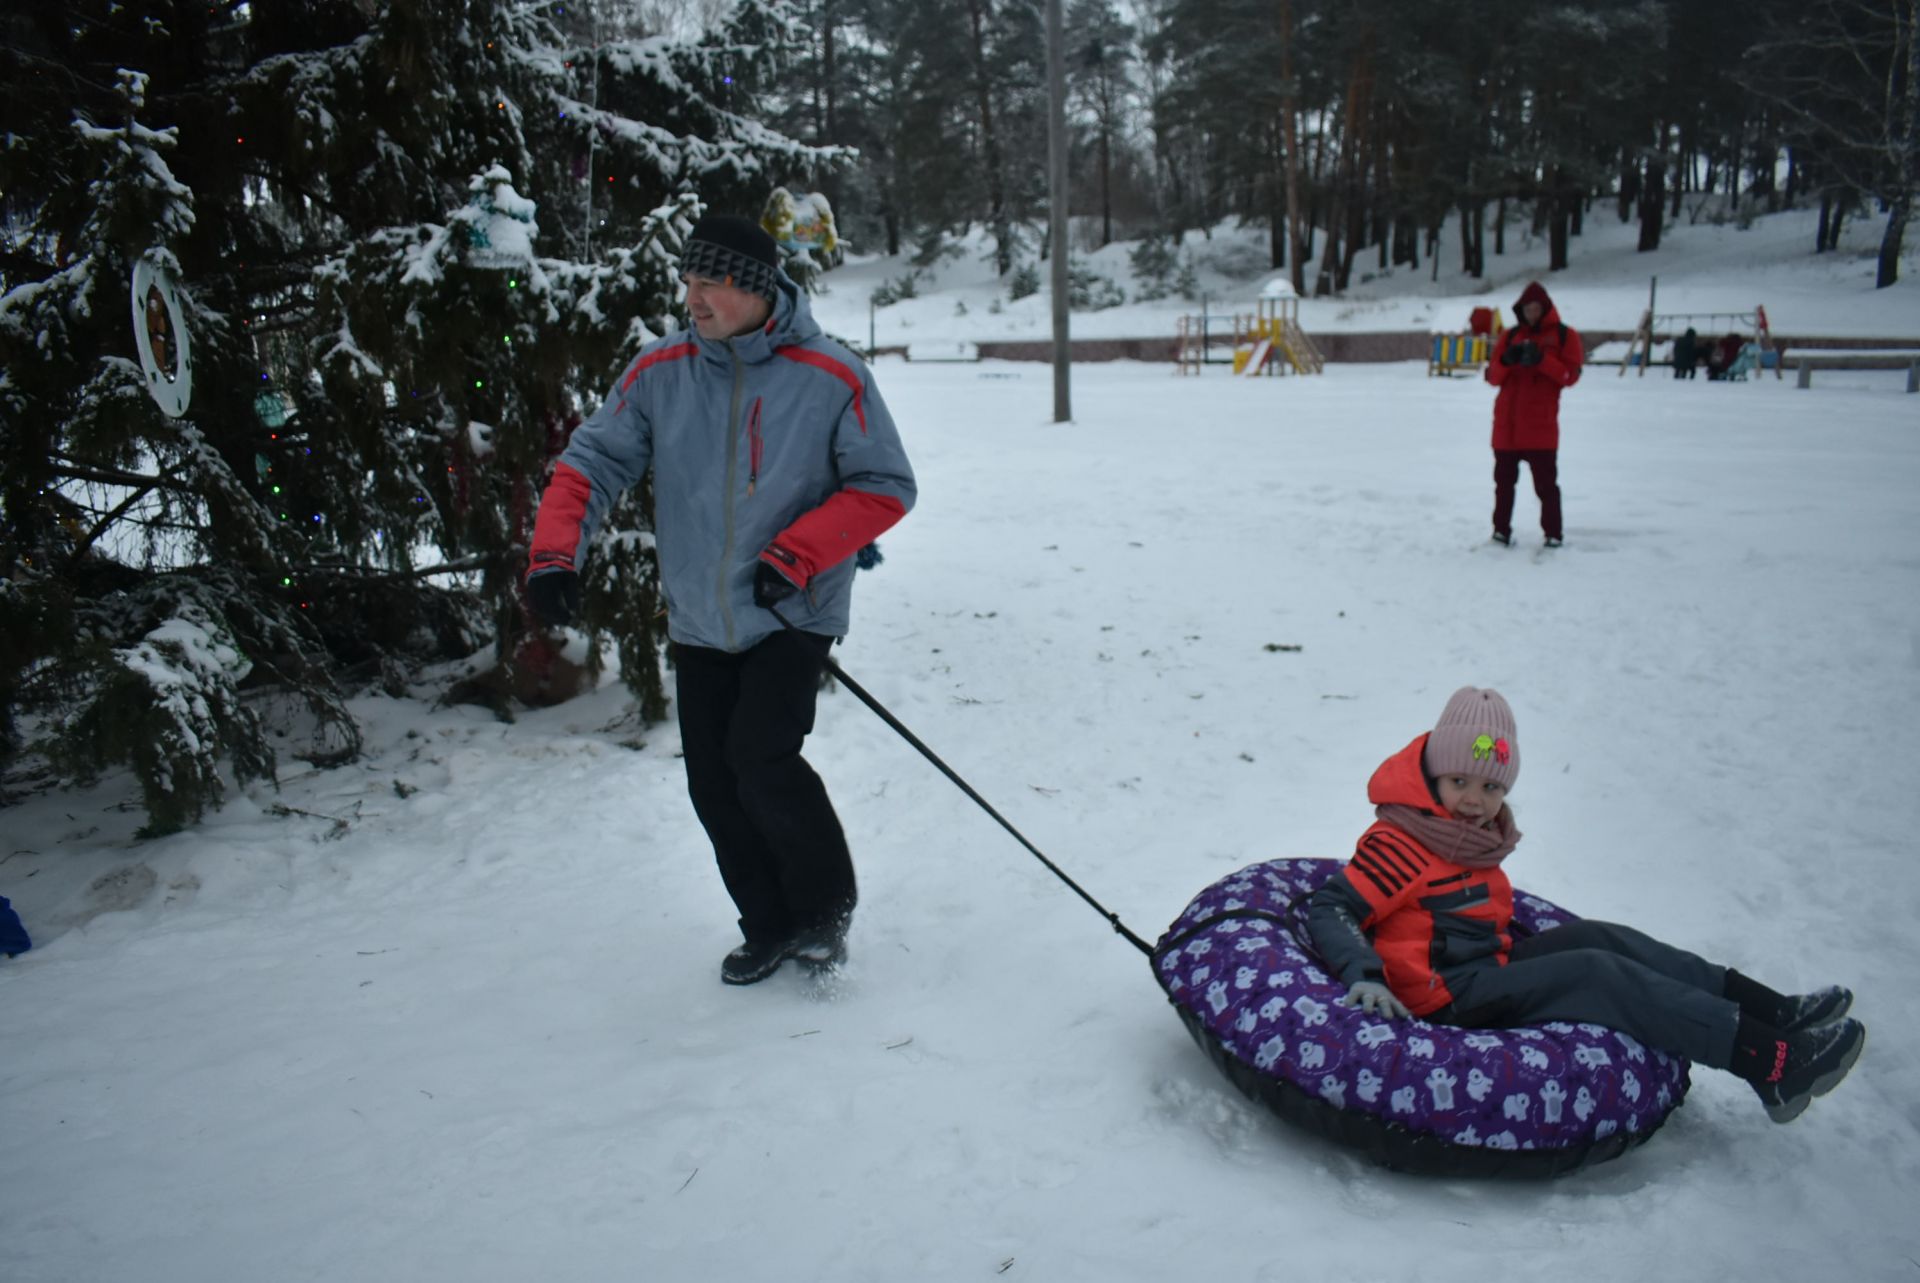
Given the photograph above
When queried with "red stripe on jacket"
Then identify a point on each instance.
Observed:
(839, 370)
(563, 508)
(673, 353)
(847, 522)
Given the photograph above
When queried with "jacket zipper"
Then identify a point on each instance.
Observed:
(733, 455)
(755, 443)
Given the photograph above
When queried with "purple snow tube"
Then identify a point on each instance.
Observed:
(1240, 968)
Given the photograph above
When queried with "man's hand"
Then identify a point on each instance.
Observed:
(1376, 999)
(770, 587)
(553, 596)
(1525, 352)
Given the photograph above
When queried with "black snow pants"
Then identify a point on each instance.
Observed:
(1605, 974)
(743, 718)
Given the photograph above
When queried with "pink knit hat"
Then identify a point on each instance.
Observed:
(1474, 736)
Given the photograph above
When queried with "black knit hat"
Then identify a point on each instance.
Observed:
(737, 251)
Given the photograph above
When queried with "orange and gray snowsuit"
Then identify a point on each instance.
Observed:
(1440, 936)
(1399, 913)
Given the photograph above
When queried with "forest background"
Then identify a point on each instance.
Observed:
(414, 241)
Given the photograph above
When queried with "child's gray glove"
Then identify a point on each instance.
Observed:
(1375, 998)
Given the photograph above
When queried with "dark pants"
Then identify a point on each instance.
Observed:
(1506, 473)
(778, 842)
(1604, 974)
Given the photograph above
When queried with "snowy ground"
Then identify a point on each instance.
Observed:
(459, 1017)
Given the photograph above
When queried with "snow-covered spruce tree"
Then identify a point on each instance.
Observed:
(397, 307)
(131, 545)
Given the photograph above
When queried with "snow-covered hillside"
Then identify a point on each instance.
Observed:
(1702, 267)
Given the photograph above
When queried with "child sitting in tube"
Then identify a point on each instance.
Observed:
(1416, 924)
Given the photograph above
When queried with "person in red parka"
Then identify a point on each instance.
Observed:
(1531, 363)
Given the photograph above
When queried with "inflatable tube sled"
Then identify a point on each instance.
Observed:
(1240, 968)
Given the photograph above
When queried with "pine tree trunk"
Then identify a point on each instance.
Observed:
(1289, 108)
(1329, 256)
(1278, 220)
(997, 221)
(1629, 184)
(1653, 202)
(829, 70)
(1382, 192)
(1353, 148)
(1898, 210)
(1500, 226)
(1557, 225)
(1906, 158)
(1106, 187)
(828, 182)
(1683, 169)
(1356, 237)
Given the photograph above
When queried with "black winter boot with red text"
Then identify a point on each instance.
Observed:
(1788, 1070)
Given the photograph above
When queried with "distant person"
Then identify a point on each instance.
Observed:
(1686, 354)
(1531, 363)
(774, 463)
(1721, 358)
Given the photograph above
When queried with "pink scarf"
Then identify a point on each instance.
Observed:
(1456, 840)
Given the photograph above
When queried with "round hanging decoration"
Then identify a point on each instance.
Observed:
(160, 332)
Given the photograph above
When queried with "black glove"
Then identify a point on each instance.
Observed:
(770, 587)
(1525, 353)
(553, 596)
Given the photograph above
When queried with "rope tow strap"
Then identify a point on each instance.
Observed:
(860, 692)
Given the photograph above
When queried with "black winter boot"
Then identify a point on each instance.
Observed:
(753, 962)
(1805, 1011)
(1788, 1070)
(822, 947)
(1790, 1013)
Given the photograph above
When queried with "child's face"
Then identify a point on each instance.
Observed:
(1471, 798)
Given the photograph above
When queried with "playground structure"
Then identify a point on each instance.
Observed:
(1269, 341)
(1468, 351)
(1663, 327)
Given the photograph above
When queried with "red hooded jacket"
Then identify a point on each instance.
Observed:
(1526, 414)
(1399, 913)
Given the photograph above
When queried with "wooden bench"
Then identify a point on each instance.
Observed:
(1807, 360)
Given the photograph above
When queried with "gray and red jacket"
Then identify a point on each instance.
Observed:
(771, 446)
